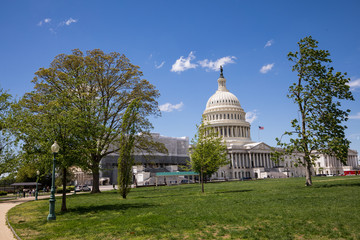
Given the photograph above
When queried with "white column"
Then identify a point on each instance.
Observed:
(250, 159)
(232, 160)
(237, 159)
(241, 160)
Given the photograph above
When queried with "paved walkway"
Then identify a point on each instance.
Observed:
(5, 206)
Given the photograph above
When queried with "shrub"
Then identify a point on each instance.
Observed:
(3, 193)
(68, 189)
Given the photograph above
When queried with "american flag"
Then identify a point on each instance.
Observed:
(261, 128)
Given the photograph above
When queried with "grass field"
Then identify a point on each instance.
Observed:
(262, 209)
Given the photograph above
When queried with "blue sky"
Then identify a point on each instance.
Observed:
(179, 46)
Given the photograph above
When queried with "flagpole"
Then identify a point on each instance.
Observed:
(260, 128)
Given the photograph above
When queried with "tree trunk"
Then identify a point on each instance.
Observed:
(96, 174)
(202, 180)
(63, 202)
(308, 173)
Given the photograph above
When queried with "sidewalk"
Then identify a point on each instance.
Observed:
(5, 206)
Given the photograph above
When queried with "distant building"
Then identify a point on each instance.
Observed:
(225, 115)
(147, 165)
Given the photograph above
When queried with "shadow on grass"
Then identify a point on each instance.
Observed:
(161, 196)
(107, 207)
(235, 191)
(337, 185)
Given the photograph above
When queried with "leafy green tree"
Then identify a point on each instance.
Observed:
(4, 106)
(127, 144)
(101, 87)
(8, 160)
(318, 93)
(208, 153)
(39, 118)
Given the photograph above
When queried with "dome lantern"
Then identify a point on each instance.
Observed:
(222, 81)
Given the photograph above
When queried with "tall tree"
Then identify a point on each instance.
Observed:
(127, 144)
(317, 93)
(7, 158)
(4, 106)
(101, 87)
(208, 153)
(39, 118)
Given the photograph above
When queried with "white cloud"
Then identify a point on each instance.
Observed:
(357, 116)
(68, 22)
(168, 107)
(210, 65)
(264, 69)
(159, 66)
(354, 84)
(269, 43)
(46, 20)
(183, 64)
(52, 30)
(251, 116)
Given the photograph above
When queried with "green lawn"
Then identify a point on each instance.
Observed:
(262, 209)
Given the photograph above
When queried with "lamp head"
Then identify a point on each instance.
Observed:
(37, 172)
(55, 147)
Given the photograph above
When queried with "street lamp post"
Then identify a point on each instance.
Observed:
(37, 180)
(54, 149)
(75, 186)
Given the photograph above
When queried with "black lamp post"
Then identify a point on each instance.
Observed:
(55, 149)
(37, 180)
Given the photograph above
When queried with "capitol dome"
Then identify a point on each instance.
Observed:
(222, 98)
(225, 115)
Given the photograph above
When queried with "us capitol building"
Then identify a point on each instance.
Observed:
(248, 159)
(252, 159)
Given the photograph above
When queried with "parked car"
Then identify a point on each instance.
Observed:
(82, 188)
(186, 181)
(245, 178)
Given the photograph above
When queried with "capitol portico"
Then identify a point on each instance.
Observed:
(252, 159)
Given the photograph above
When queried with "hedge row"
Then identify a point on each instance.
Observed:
(68, 189)
(3, 193)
